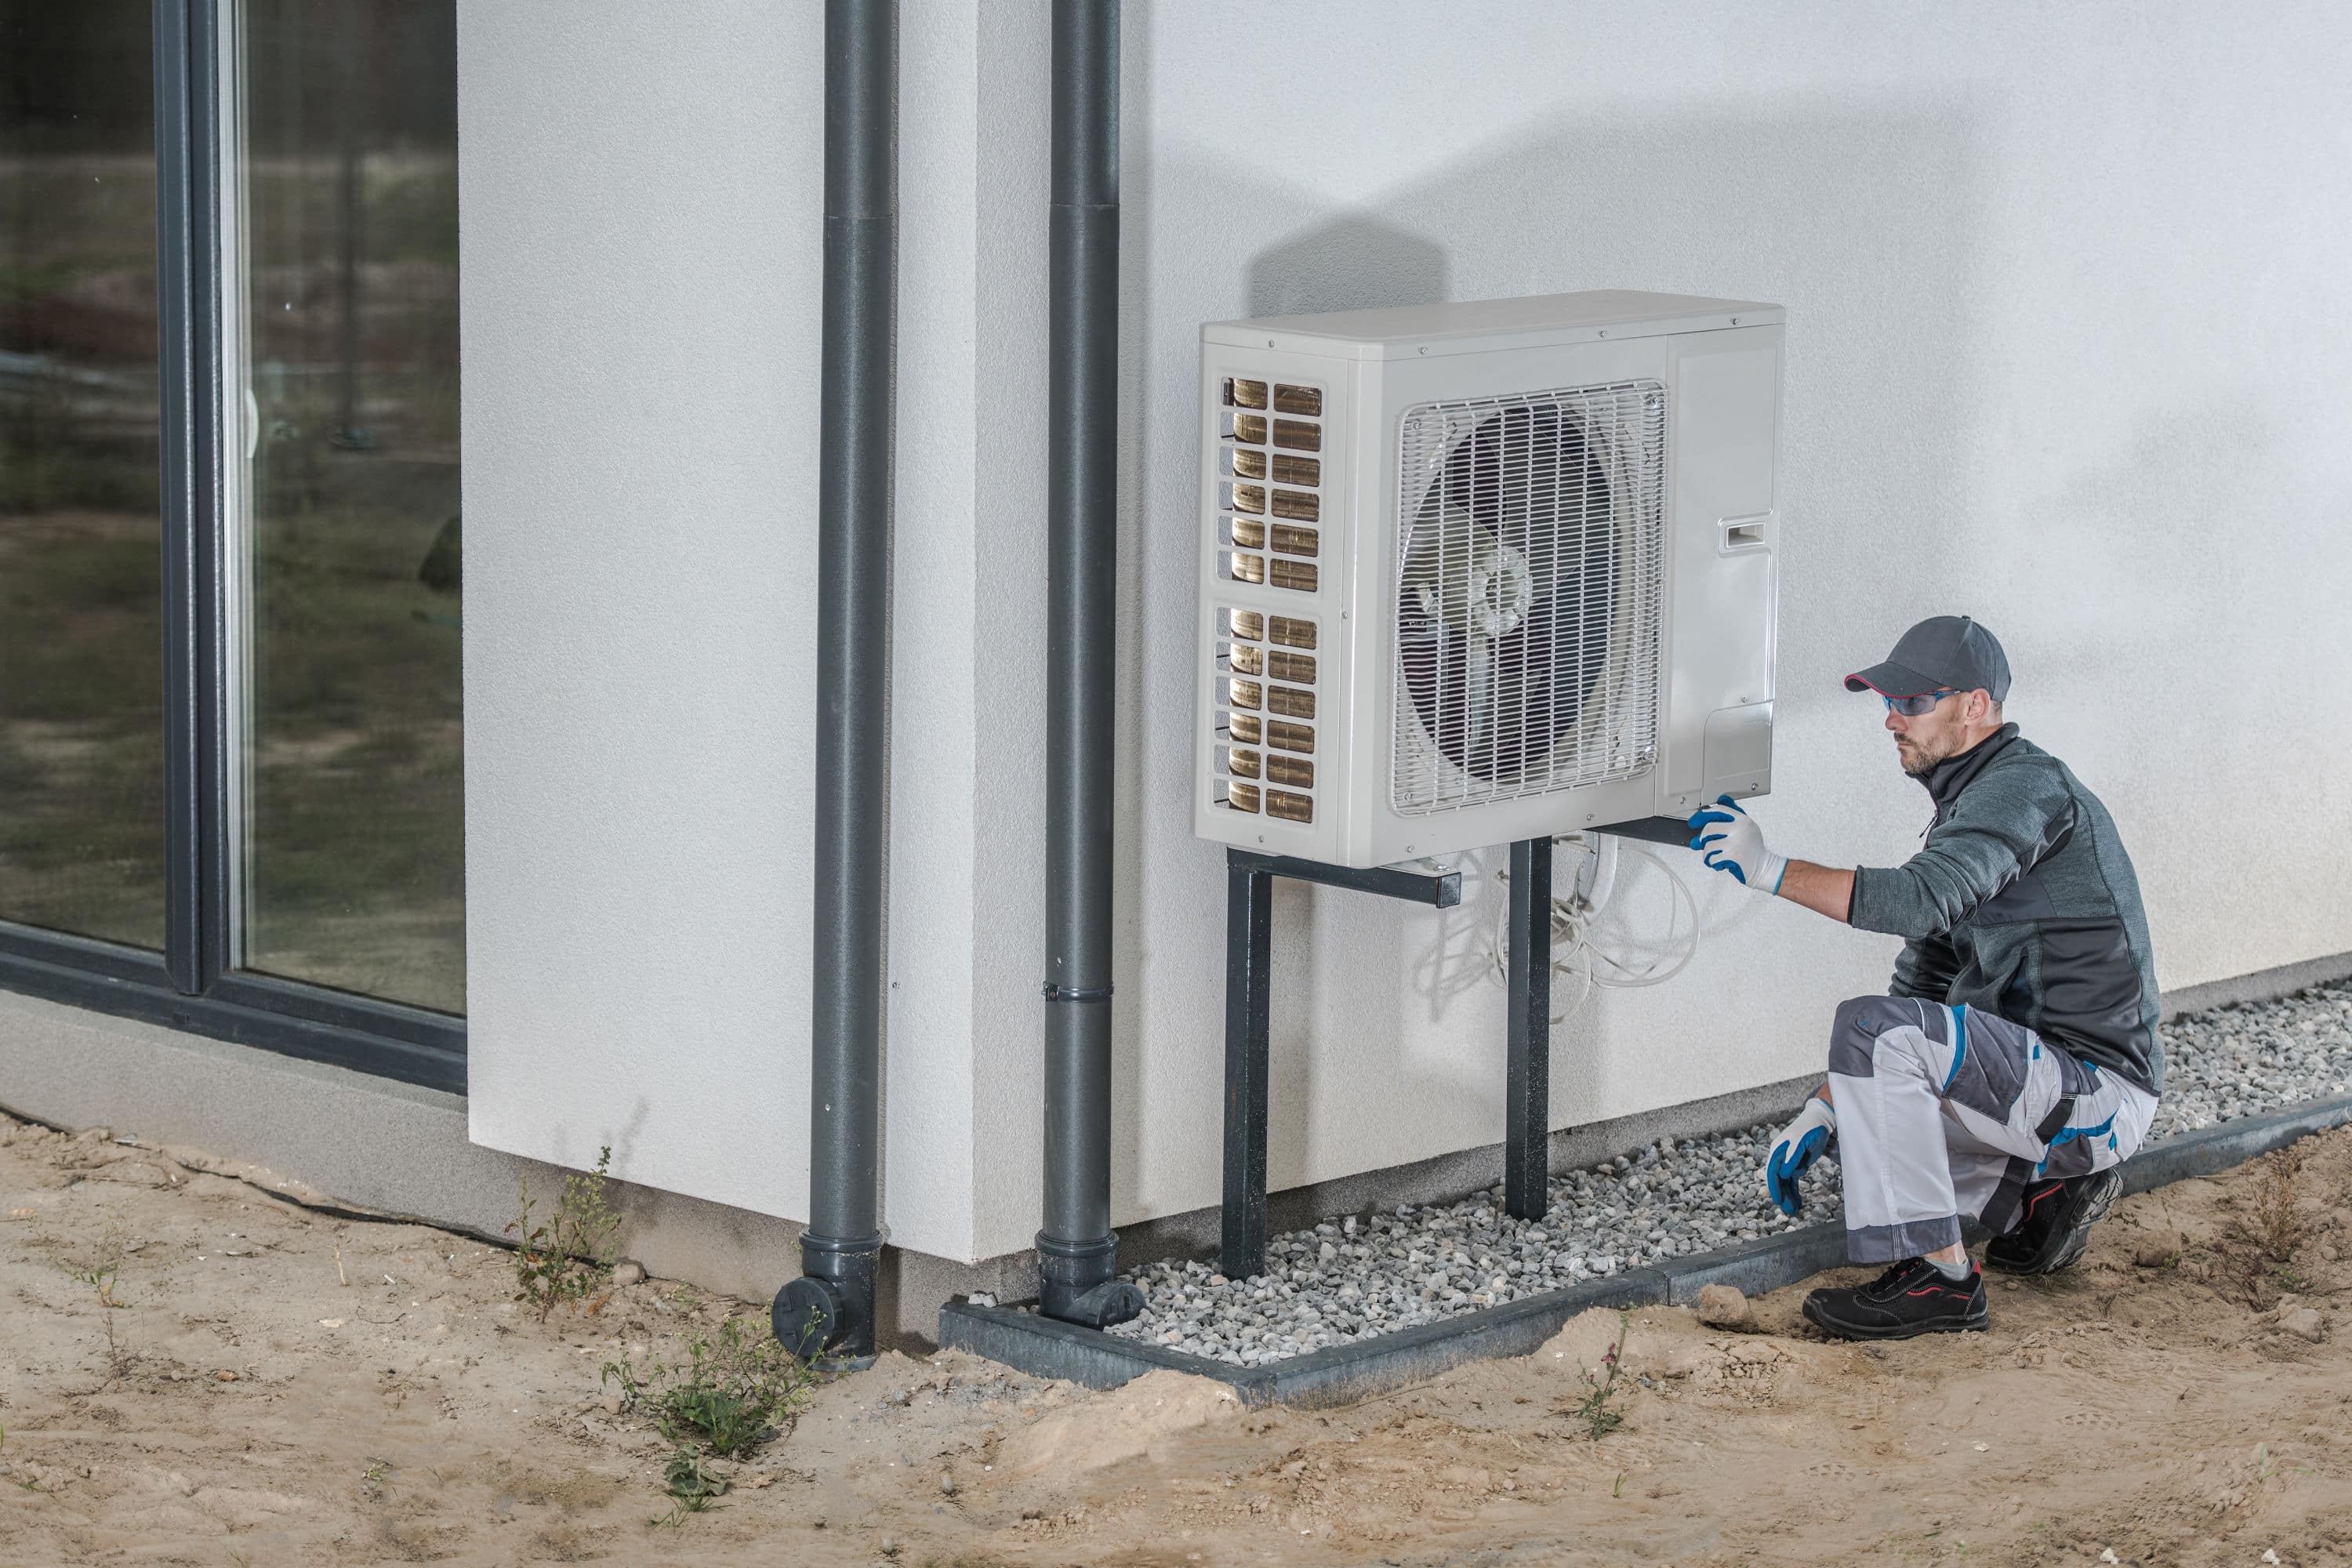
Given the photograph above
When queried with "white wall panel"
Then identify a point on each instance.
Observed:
(639, 260)
(644, 202)
(2062, 355)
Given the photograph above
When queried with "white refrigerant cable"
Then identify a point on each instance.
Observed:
(1573, 950)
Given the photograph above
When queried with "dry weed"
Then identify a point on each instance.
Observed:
(573, 1493)
(98, 1263)
(2258, 1243)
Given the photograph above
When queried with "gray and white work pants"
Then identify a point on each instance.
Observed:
(1945, 1111)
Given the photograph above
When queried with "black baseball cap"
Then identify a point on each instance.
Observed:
(1940, 651)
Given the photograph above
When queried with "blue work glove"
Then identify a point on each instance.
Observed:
(1798, 1146)
(1728, 840)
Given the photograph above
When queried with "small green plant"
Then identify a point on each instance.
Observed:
(728, 1395)
(98, 1264)
(101, 1277)
(691, 1483)
(567, 1256)
(1600, 1387)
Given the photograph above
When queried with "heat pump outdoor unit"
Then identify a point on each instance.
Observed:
(1483, 571)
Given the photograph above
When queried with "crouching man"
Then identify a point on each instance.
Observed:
(2014, 1063)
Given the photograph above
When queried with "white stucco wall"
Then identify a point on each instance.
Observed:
(640, 277)
(2062, 352)
(643, 192)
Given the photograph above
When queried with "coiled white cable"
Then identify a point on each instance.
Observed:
(1572, 917)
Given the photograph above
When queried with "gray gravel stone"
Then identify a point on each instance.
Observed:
(2234, 1062)
(1356, 1276)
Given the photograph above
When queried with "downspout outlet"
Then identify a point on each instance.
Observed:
(1072, 1283)
(828, 1312)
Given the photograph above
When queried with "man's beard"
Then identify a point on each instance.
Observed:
(1917, 762)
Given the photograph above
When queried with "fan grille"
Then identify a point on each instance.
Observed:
(1530, 566)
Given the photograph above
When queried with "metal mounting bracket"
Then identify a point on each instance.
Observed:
(1249, 1010)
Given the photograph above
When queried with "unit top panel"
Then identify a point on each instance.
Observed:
(1474, 326)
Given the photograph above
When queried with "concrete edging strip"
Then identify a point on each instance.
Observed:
(1341, 1374)
(1336, 1375)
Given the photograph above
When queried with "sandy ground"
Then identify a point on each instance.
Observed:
(251, 1406)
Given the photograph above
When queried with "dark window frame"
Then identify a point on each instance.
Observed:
(190, 985)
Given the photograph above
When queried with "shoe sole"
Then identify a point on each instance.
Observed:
(1976, 1323)
(2068, 1240)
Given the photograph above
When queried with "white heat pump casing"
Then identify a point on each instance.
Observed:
(1704, 372)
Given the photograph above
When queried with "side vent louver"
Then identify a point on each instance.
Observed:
(1270, 512)
(1258, 450)
(1266, 694)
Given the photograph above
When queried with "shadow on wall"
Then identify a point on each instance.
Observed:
(1864, 219)
(1353, 262)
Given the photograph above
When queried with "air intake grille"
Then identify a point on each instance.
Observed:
(1270, 487)
(1530, 566)
(1270, 537)
(1266, 713)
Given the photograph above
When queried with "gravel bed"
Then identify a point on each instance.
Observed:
(1358, 1275)
(2231, 1062)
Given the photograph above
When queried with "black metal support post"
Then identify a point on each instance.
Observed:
(1526, 1093)
(831, 1306)
(1076, 1251)
(1249, 1018)
(1249, 1012)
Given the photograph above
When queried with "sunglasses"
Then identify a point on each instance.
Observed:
(1912, 706)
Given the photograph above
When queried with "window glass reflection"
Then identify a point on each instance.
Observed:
(81, 708)
(345, 213)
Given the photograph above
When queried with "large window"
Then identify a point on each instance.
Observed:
(344, 192)
(230, 553)
(81, 697)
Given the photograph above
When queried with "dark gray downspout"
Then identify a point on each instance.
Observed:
(831, 1306)
(1076, 1251)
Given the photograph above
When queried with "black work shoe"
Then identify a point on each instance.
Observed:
(2054, 1223)
(1912, 1297)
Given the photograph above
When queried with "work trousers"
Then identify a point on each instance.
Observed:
(1945, 1111)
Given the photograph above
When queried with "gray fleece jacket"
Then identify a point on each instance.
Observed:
(2023, 903)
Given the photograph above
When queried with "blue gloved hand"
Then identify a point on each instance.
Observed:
(1798, 1146)
(1728, 840)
